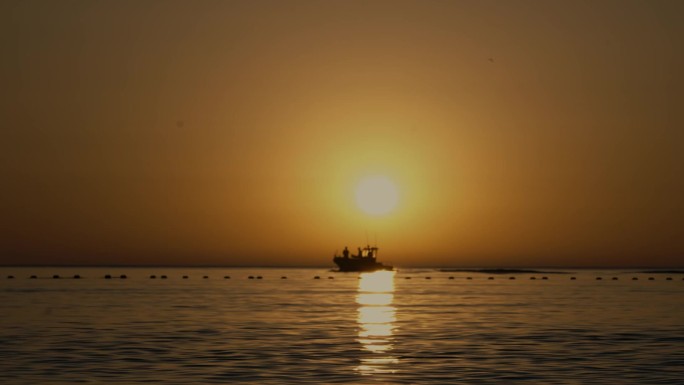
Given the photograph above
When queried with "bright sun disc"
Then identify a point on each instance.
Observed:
(377, 195)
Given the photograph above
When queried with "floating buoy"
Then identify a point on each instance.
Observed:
(635, 279)
(317, 277)
(10, 277)
(226, 277)
(469, 277)
(651, 278)
(153, 276)
(533, 277)
(283, 277)
(615, 278)
(163, 277)
(573, 278)
(56, 276)
(331, 277)
(599, 278)
(428, 277)
(545, 278)
(108, 276)
(77, 276)
(123, 276)
(407, 277)
(205, 277)
(511, 277)
(491, 278)
(33, 277)
(251, 277)
(668, 279)
(258, 277)
(185, 277)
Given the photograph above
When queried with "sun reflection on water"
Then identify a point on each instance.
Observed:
(376, 316)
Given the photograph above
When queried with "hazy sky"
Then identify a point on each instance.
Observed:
(518, 133)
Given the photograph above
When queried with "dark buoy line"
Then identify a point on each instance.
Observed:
(428, 277)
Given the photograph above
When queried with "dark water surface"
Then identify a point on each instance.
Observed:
(377, 328)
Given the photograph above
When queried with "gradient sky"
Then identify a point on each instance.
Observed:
(519, 133)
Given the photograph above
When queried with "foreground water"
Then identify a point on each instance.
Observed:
(371, 328)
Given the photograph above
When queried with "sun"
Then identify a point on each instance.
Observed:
(377, 195)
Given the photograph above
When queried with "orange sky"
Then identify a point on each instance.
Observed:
(519, 133)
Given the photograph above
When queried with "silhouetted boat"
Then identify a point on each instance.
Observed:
(365, 260)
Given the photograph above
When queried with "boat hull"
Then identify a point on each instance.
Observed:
(359, 264)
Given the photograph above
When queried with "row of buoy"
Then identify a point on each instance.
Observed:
(153, 276)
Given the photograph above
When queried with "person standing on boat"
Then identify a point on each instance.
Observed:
(345, 252)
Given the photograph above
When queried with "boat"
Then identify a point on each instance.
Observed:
(365, 260)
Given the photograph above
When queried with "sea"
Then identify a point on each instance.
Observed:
(300, 326)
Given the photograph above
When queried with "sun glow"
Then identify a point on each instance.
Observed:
(377, 195)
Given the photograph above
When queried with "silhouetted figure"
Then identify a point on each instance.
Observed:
(360, 253)
(345, 252)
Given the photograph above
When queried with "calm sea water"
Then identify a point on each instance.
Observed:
(369, 328)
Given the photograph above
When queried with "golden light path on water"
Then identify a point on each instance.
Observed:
(376, 317)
